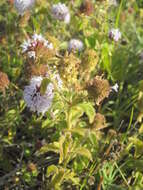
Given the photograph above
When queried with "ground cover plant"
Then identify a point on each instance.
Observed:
(71, 95)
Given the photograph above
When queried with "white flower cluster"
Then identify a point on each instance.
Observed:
(30, 45)
(115, 34)
(23, 5)
(75, 45)
(33, 98)
(61, 12)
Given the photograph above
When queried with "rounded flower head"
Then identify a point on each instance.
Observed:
(75, 45)
(61, 12)
(36, 101)
(23, 5)
(115, 34)
(36, 41)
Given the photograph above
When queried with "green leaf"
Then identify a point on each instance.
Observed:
(51, 170)
(106, 53)
(46, 123)
(141, 129)
(49, 147)
(71, 176)
(84, 152)
(75, 113)
(61, 141)
(135, 164)
(89, 110)
(79, 131)
(65, 145)
(137, 187)
(44, 85)
(58, 178)
(78, 110)
(138, 146)
(141, 85)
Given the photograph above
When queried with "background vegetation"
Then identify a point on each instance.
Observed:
(92, 136)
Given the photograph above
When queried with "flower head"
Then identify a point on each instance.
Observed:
(115, 87)
(35, 100)
(61, 12)
(33, 43)
(75, 45)
(115, 34)
(23, 5)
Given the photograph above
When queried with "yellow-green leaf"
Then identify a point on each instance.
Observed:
(44, 85)
(84, 152)
(51, 170)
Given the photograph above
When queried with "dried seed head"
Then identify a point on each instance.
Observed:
(36, 70)
(116, 150)
(112, 133)
(11, 2)
(91, 180)
(99, 122)
(69, 67)
(31, 167)
(99, 89)
(4, 81)
(87, 7)
(24, 20)
(89, 62)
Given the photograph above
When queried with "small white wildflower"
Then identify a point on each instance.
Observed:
(113, 2)
(115, 34)
(23, 5)
(61, 12)
(75, 45)
(115, 87)
(33, 98)
(30, 45)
